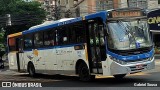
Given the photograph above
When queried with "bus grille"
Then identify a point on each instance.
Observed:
(133, 68)
(137, 61)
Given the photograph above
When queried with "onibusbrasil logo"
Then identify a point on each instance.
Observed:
(20, 84)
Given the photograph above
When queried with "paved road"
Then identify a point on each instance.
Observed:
(152, 76)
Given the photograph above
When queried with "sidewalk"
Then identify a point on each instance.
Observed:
(157, 56)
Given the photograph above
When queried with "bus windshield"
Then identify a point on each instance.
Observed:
(128, 34)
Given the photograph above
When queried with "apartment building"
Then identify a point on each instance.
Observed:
(146, 4)
(75, 8)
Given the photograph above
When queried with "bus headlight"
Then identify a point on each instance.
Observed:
(118, 61)
(151, 58)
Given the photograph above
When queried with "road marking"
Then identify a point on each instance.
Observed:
(139, 74)
(104, 76)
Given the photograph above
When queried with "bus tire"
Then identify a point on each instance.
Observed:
(31, 70)
(84, 74)
(119, 76)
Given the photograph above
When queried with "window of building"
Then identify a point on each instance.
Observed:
(104, 4)
(38, 39)
(49, 38)
(158, 1)
(59, 2)
(66, 1)
(137, 3)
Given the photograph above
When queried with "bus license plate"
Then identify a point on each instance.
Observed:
(139, 66)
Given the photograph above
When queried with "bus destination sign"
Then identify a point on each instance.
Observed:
(116, 14)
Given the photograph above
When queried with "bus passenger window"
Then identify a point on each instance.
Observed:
(79, 32)
(38, 39)
(12, 44)
(62, 36)
(49, 38)
(28, 41)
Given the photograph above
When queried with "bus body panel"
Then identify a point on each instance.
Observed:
(62, 59)
(55, 60)
(12, 58)
(111, 67)
(50, 59)
(22, 62)
(28, 57)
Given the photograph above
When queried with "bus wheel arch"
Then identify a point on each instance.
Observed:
(83, 71)
(31, 69)
(119, 76)
(78, 63)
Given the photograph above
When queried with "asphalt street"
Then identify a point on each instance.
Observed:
(152, 76)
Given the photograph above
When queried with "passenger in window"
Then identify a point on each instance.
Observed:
(52, 43)
(46, 43)
(64, 40)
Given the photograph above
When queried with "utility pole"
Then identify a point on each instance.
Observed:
(56, 10)
(8, 21)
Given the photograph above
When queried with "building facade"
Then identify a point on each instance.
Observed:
(76, 8)
(58, 9)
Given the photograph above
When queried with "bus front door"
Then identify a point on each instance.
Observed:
(97, 49)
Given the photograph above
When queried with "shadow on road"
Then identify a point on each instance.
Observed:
(69, 81)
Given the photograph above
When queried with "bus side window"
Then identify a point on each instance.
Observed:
(12, 44)
(38, 39)
(79, 29)
(28, 41)
(49, 38)
(71, 34)
(62, 36)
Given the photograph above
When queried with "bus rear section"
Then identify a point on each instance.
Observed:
(15, 56)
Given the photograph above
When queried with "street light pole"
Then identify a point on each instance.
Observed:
(8, 21)
(56, 17)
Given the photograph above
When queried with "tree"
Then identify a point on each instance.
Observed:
(23, 15)
(2, 45)
(22, 12)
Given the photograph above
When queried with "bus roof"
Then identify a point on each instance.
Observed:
(50, 23)
(15, 35)
(61, 22)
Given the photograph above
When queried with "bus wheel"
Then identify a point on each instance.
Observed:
(84, 74)
(119, 76)
(31, 70)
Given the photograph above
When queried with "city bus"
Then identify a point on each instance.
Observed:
(108, 43)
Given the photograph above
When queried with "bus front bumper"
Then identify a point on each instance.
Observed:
(131, 68)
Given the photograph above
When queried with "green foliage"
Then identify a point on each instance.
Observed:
(23, 15)
(2, 45)
(29, 13)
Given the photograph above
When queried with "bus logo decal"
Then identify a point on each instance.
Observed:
(30, 57)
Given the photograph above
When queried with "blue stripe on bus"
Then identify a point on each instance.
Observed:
(54, 47)
(132, 57)
(52, 25)
(102, 14)
(39, 29)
